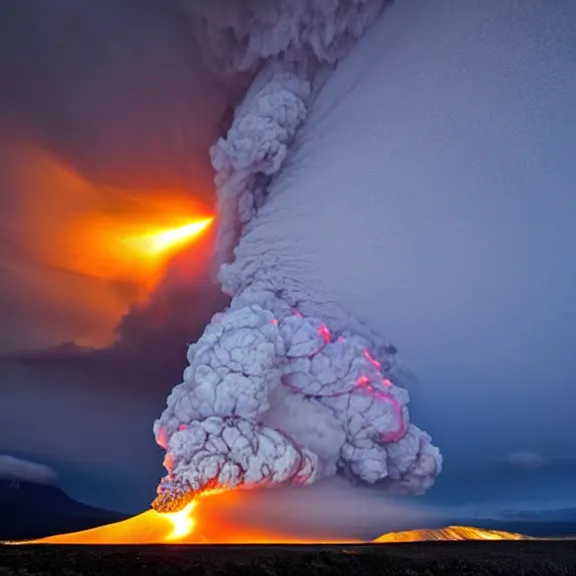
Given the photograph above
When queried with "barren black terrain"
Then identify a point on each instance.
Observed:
(429, 559)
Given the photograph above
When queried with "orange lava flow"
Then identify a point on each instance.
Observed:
(210, 519)
(184, 528)
(230, 517)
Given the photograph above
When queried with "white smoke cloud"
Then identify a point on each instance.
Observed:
(327, 509)
(255, 148)
(286, 48)
(275, 393)
(24, 471)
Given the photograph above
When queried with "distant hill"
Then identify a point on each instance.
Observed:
(449, 533)
(506, 531)
(29, 510)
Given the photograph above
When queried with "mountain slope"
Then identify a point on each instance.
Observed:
(30, 510)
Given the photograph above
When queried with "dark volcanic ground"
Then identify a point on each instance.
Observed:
(414, 559)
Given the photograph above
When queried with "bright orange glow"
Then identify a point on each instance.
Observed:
(182, 521)
(164, 242)
(88, 251)
(210, 519)
(229, 518)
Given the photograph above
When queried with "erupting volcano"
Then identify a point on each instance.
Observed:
(209, 520)
(359, 202)
(206, 520)
(243, 419)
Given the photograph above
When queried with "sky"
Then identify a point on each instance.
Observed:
(431, 192)
(470, 188)
(432, 189)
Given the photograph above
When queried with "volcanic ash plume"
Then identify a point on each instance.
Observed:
(271, 396)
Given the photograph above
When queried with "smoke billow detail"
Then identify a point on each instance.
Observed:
(274, 393)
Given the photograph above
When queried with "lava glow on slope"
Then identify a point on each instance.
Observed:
(450, 533)
(206, 520)
(226, 518)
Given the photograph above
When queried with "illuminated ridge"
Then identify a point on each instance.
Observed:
(450, 533)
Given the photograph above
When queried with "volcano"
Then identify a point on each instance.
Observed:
(216, 518)
(153, 528)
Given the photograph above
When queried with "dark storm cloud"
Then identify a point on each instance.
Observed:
(117, 87)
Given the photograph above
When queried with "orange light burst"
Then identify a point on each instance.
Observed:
(167, 241)
(182, 521)
(212, 518)
(91, 251)
(229, 517)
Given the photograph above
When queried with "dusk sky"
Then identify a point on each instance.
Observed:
(430, 194)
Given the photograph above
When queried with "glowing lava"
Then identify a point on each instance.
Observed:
(450, 533)
(230, 517)
(181, 528)
(182, 521)
(212, 518)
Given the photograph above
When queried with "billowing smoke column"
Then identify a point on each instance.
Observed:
(271, 396)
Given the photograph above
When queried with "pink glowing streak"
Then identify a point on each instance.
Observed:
(372, 360)
(365, 383)
(395, 435)
(325, 333)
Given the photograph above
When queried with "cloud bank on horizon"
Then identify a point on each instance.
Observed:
(19, 470)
